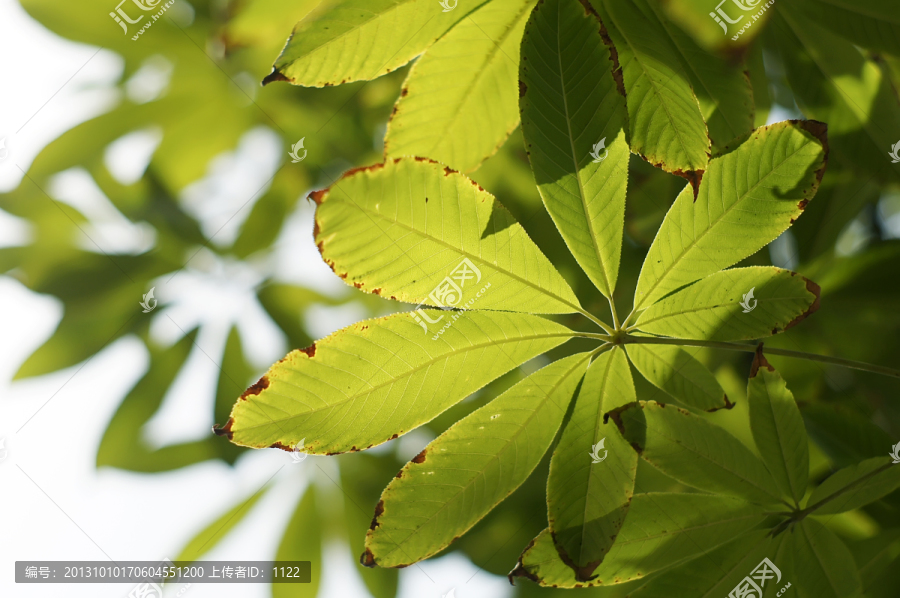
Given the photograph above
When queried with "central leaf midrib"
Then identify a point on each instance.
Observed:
(581, 191)
(429, 363)
(708, 308)
(509, 443)
(711, 225)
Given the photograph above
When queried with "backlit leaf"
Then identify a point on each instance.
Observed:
(379, 379)
(856, 486)
(402, 229)
(358, 40)
(588, 501)
(471, 467)
(822, 565)
(458, 104)
(573, 120)
(736, 304)
(665, 122)
(748, 197)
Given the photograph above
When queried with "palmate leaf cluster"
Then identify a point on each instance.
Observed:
(676, 96)
(597, 81)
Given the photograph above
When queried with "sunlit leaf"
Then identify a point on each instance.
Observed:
(471, 467)
(748, 196)
(573, 119)
(458, 104)
(736, 304)
(379, 379)
(418, 232)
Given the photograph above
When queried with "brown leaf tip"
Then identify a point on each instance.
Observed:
(224, 430)
(261, 385)
(367, 559)
(318, 197)
(760, 360)
(275, 75)
(728, 405)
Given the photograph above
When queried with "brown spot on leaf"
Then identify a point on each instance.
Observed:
(420, 458)
(310, 351)
(759, 360)
(358, 285)
(367, 559)
(399, 474)
(224, 430)
(261, 385)
(395, 435)
(404, 92)
(448, 171)
(694, 177)
(379, 511)
(376, 291)
(815, 290)
(283, 447)
(275, 75)
(523, 89)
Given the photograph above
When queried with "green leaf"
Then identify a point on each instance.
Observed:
(715, 573)
(716, 307)
(746, 199)
(302, 541)
(587, 502)
(358, 40)
(471, 468)
(697, 17)
(778, 429)
(458, 104)
(401, 229)
(210, 536)
(822, 565)
(379, 379)
(660, 530)
(665, 122)
(856, 486)
(674, 370)
(569, 103)
(834, 83)
(722, 87)
(696, 452)
(874, 24)
(844, 435)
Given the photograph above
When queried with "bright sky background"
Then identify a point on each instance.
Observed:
(54, 504)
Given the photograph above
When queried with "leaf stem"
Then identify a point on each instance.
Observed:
(596, 321)
(612, 308)
(847, 363)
